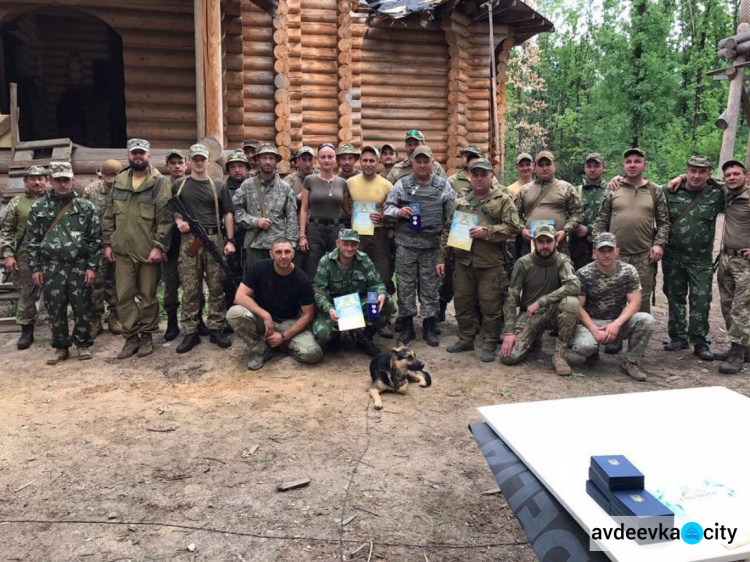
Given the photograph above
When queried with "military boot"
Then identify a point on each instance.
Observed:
(399, 324)
(114, 324)
(735, 361)
(559, 360)
(188, 343)
(441, 314)
(429, 332)
(97, 329)
(173, 327)
(147, 345)
(60, 355)
(83, 353)
(130, 348)
(703, 352)
(27, 337)
(407, 331)
(219, 338)
(202, 328)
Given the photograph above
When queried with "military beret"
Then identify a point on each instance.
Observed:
(60, 170)
(699, 161)
(139, 144)
(349, 235)
(637, 151)
(35, 171)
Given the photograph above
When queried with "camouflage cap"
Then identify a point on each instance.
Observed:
(524, 156)
(423, 150)
(60, 170)
(139, 144)
(605, 239)
(595, 156)
(110, 169)
(481, 164)
(544, 154)
(472, 149)
(635, 150)
(346, 149)
(198, 150)
(371, 148)
(700, 162)
(268, 149)
(547, 230)
(305, 150)
(236, 156)
(730, 163)
(414, 134)
(252, 143)
(35, 171)
(388, 145)
(348, 235)
(174, 152)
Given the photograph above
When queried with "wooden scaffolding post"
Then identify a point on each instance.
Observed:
(208, 69)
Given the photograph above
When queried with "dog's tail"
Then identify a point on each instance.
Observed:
(427, 378)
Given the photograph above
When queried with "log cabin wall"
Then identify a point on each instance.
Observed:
(233, 79)
(258, 73)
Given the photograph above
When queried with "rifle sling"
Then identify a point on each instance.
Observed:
(693, 203)
(59, 217)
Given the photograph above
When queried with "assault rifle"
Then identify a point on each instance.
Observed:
(201, 239)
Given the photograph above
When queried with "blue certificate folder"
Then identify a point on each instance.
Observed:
(615, 472)
(638, 503)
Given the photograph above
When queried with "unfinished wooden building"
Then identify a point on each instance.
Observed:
(285, 72)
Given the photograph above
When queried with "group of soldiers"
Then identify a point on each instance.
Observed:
(275, 253)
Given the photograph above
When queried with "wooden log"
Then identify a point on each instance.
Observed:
(234, 80)
(184, 131)
(150, 76)
(257, 49)
(319, 16)
(320, 67)
(259, 119)
(233, 98)
(233, 44)
(159, 113)
(135, 94)
(256, 19)
(327, 131)
(158, 59)
(440, 83)
(234, 133)
(262, 133)
(250, 91)
(407, 115)
(259, 77)
(320, 117)
(234, 115)
(727, 54)
(257, 34)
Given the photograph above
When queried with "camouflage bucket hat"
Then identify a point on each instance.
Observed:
(605, 239)
(481, 164)
(595, 156)
(545, 230)
(198, 150)
(237, 156)
(472, 149)
(268, 149)
(414, 134)
(349, 235)
(61, 170)
(700, 162)
(346, 149)
(34, 171)
(139, 144)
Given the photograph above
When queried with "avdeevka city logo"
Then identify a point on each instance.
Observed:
(691, 533)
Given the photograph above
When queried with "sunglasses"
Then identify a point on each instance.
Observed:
(326, 145)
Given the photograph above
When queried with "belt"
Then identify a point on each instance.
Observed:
(326, 222)
(211, 231)
(735, 253)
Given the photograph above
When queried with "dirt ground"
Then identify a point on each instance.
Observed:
(174, 451)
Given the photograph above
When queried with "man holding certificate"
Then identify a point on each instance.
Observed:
(483, 219)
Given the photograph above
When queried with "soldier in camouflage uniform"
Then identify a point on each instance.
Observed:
(208, 203)
(238, 170)
(250, 149)
(275, 218)
(64, 244)
(176, 167)
(404, 168)
(346, 158)
(545, 287)
(637, 214)
(388, 159)
(688, 256)
(344, 271)
(104, 291)
(305, 167)
(480, 276)
(734, 266)
(610, 300)
(417, 248)
(548, 200)
(591, 193)
(14, 241)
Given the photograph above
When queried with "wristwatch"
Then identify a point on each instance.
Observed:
(231, 240)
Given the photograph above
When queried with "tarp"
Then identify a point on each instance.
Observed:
(396, 9)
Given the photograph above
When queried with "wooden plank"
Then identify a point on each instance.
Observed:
(291, 485)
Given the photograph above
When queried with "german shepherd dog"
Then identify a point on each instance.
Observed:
(393, 371)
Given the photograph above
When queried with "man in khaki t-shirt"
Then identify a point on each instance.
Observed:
(525, 168)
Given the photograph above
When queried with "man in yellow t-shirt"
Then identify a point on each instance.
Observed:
(370, 187)
(524, 167)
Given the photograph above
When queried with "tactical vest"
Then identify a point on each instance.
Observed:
(430, 199)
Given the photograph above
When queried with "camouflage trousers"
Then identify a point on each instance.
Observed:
(322, 239)
(137, 306)
(734, 292)
(28, 295)
(171, 277)
(446, 287)
(103, 291)
(637, 331)
(378, 249)
(416, 274)
(64, 284)
(251, 330)
(647, 275)
(562, 316)
(682, 276)
(324, 329)
(487, 286)
(193, 269)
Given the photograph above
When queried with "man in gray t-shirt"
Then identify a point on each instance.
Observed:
(610, 300)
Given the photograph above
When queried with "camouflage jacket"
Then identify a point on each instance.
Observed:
(77, 238)
(693, 236)
(403, 168)
(331, 280)
(554, 199)
(461, 184)
(592, 195)
(281, 208)
(98, 193)
(498, 215)
(14, 227)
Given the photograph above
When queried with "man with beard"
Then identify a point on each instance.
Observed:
(137, 232)
(250, 149)
(346, 158)
(388, 159)
(412, 140)
(545, 287)
(14, 242)
(238, 169)
(591, 193)
(265, 207)
(207, 203)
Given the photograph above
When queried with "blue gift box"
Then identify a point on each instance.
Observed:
(598, 496)
(638, 503)
(615, 472)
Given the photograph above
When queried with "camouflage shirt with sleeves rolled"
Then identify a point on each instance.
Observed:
(606, 294)
(333, 280)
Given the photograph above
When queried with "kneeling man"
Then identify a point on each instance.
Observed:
(610, 301)
(274, 307)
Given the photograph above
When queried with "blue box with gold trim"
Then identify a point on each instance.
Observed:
(615, 472)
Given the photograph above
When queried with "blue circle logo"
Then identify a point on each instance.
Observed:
(692, 533)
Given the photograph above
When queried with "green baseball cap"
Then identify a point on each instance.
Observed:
(35, 171)
(414, 134)
(700, 161)
(481, 164)
(423, 150)
(545, 230)
(61, 170)
(306, 150)
(388, 145)
(251, 143)
(198, 150)
(139, 144)
(635, 150)
(595, 156)
(605, 239)
(174, 152)
(730, 163)
(472, 149)
(524, 156)
(349, 235)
